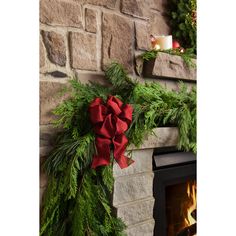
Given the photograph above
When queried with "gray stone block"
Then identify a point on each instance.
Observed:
(131, 188)
(143, 163)
(136, 211)
(162, 137)
(144, 229)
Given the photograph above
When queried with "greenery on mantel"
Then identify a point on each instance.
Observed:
(77, 201)
(187, 55)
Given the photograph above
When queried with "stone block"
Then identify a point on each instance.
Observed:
(105, 3)
(160, 5)
(132, 188)
(143, 163)
(83, 51)
(50, 98)
(61, 12)
(142, 36)
(90, 20)
(136, 8)
(136, 212)
(55, 46)
(162, 137)
(117, 39)
(171, 66)
(41, 54)
(159, 24)
(144, 229)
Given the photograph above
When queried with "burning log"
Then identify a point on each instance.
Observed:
(188, 231)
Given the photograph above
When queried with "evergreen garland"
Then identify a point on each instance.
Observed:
(77, 201)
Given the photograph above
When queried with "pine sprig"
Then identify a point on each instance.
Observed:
(122, 83)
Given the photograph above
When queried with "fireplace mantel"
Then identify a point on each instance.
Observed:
(161, 137)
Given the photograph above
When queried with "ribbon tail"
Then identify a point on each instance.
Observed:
(103, 153)
(120, 143)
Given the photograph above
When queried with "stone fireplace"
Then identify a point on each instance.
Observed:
(138, 197)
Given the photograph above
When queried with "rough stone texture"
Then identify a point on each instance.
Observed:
(159, 24)
(136, 8)
(61, 12)
(143, 163)
(160, 5)
(132, 188)
(91, 20)
(41, 54)
(137, 211)
(144, 229)
(117, 41)
(142, 36)
(49, 98)
(105, 3)
(162, 137)
(166, 65)
(55, 47)
(83, 51)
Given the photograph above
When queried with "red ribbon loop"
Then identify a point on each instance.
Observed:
(110, 122)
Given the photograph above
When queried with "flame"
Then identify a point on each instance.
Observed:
(191, 191)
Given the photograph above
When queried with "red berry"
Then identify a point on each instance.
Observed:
(175, 44)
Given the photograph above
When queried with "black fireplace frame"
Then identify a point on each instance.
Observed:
(179, 168)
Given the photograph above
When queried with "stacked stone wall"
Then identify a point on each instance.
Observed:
(86, 35)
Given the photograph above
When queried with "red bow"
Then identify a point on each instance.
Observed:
(110, 122)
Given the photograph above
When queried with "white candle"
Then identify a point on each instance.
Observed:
(165, 42)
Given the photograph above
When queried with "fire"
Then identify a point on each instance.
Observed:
(191, 191)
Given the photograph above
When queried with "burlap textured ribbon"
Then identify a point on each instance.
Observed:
(110, 121)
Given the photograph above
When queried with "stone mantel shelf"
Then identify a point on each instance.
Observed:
(161, 137)
(169, 66)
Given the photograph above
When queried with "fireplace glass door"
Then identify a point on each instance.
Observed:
(181, 208)
(174, 191)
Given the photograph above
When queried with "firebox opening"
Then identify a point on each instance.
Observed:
(181, 208)
(174, 190)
